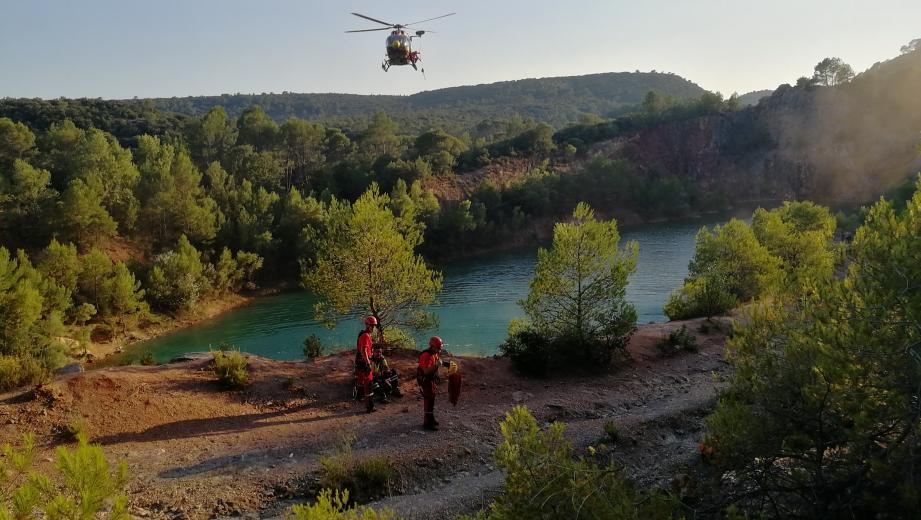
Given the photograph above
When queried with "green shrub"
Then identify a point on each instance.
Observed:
(374, 473)
(732, 256)
(77, 428)
(611, 430)
(678, 340)
(530, 351)
(84, 488)
(334, 505)
(312, 347)
(10, 372)
(700, 297)
(537, 354)
(544, 480)
(364, 478)
(28, 370)
(230, 368)
(148, 359)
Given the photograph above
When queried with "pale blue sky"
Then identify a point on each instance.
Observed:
(126, 48)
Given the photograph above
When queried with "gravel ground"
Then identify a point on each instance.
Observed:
(195, 450)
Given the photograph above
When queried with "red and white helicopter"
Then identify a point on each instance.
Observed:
(399, 44)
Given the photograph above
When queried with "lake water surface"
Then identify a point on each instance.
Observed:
(477, 302)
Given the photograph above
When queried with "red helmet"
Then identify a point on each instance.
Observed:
(435, 342)
(370, 320)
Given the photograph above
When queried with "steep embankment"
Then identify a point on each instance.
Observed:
(195, 451)
(835, 145)
(831, 144)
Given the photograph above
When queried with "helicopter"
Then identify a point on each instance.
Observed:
(399, 44)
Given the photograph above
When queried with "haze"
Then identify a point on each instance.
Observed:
(117, 49)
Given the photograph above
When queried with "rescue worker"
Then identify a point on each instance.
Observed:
(385, 377)
(427, 377)
(363, 372)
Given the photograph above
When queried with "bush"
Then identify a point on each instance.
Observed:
(678, 340)
(611, 430)
(28, 370)
(177, 279)
(544, 480)
(364, 478)
(85, 487)
(312, 347)
(10, 372)
(333, 505)
(704, 296)
(148, 359)
(230, 368)
(530, 351)
(374, 473)
(536, 354)
(732, 255)
(77, 428)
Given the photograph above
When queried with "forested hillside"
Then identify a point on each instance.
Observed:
(126, 120)
(836, 144)
(556, 101)
(116, 214)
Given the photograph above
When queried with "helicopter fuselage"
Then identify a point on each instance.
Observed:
(400, 51)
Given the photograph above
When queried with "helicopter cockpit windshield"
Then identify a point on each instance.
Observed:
(398, 40)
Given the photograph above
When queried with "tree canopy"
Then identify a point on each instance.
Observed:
(366, 264)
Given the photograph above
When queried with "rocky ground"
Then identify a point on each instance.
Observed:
(195, 450)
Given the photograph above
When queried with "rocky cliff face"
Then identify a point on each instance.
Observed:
(840, 144)
(834, 145)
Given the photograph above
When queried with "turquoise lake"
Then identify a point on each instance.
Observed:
(477, 302)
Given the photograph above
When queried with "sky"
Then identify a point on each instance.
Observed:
(119, 49)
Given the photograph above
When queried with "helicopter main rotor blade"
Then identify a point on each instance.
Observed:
(388, 24)
(430, 19)
(369, 30)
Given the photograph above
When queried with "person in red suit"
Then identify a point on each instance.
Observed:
(427, 377)
(363, 373)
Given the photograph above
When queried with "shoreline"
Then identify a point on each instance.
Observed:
(538, 235)
(101, 352)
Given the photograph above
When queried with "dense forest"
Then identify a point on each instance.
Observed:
(103, 233)
(556, 101)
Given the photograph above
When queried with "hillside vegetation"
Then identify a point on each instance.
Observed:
(102, 232)
(556, 101)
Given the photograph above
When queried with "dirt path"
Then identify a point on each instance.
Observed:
(195, 451)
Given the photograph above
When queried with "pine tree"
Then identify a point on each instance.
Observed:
(83, 218)
(367, 264)
(579, 287)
